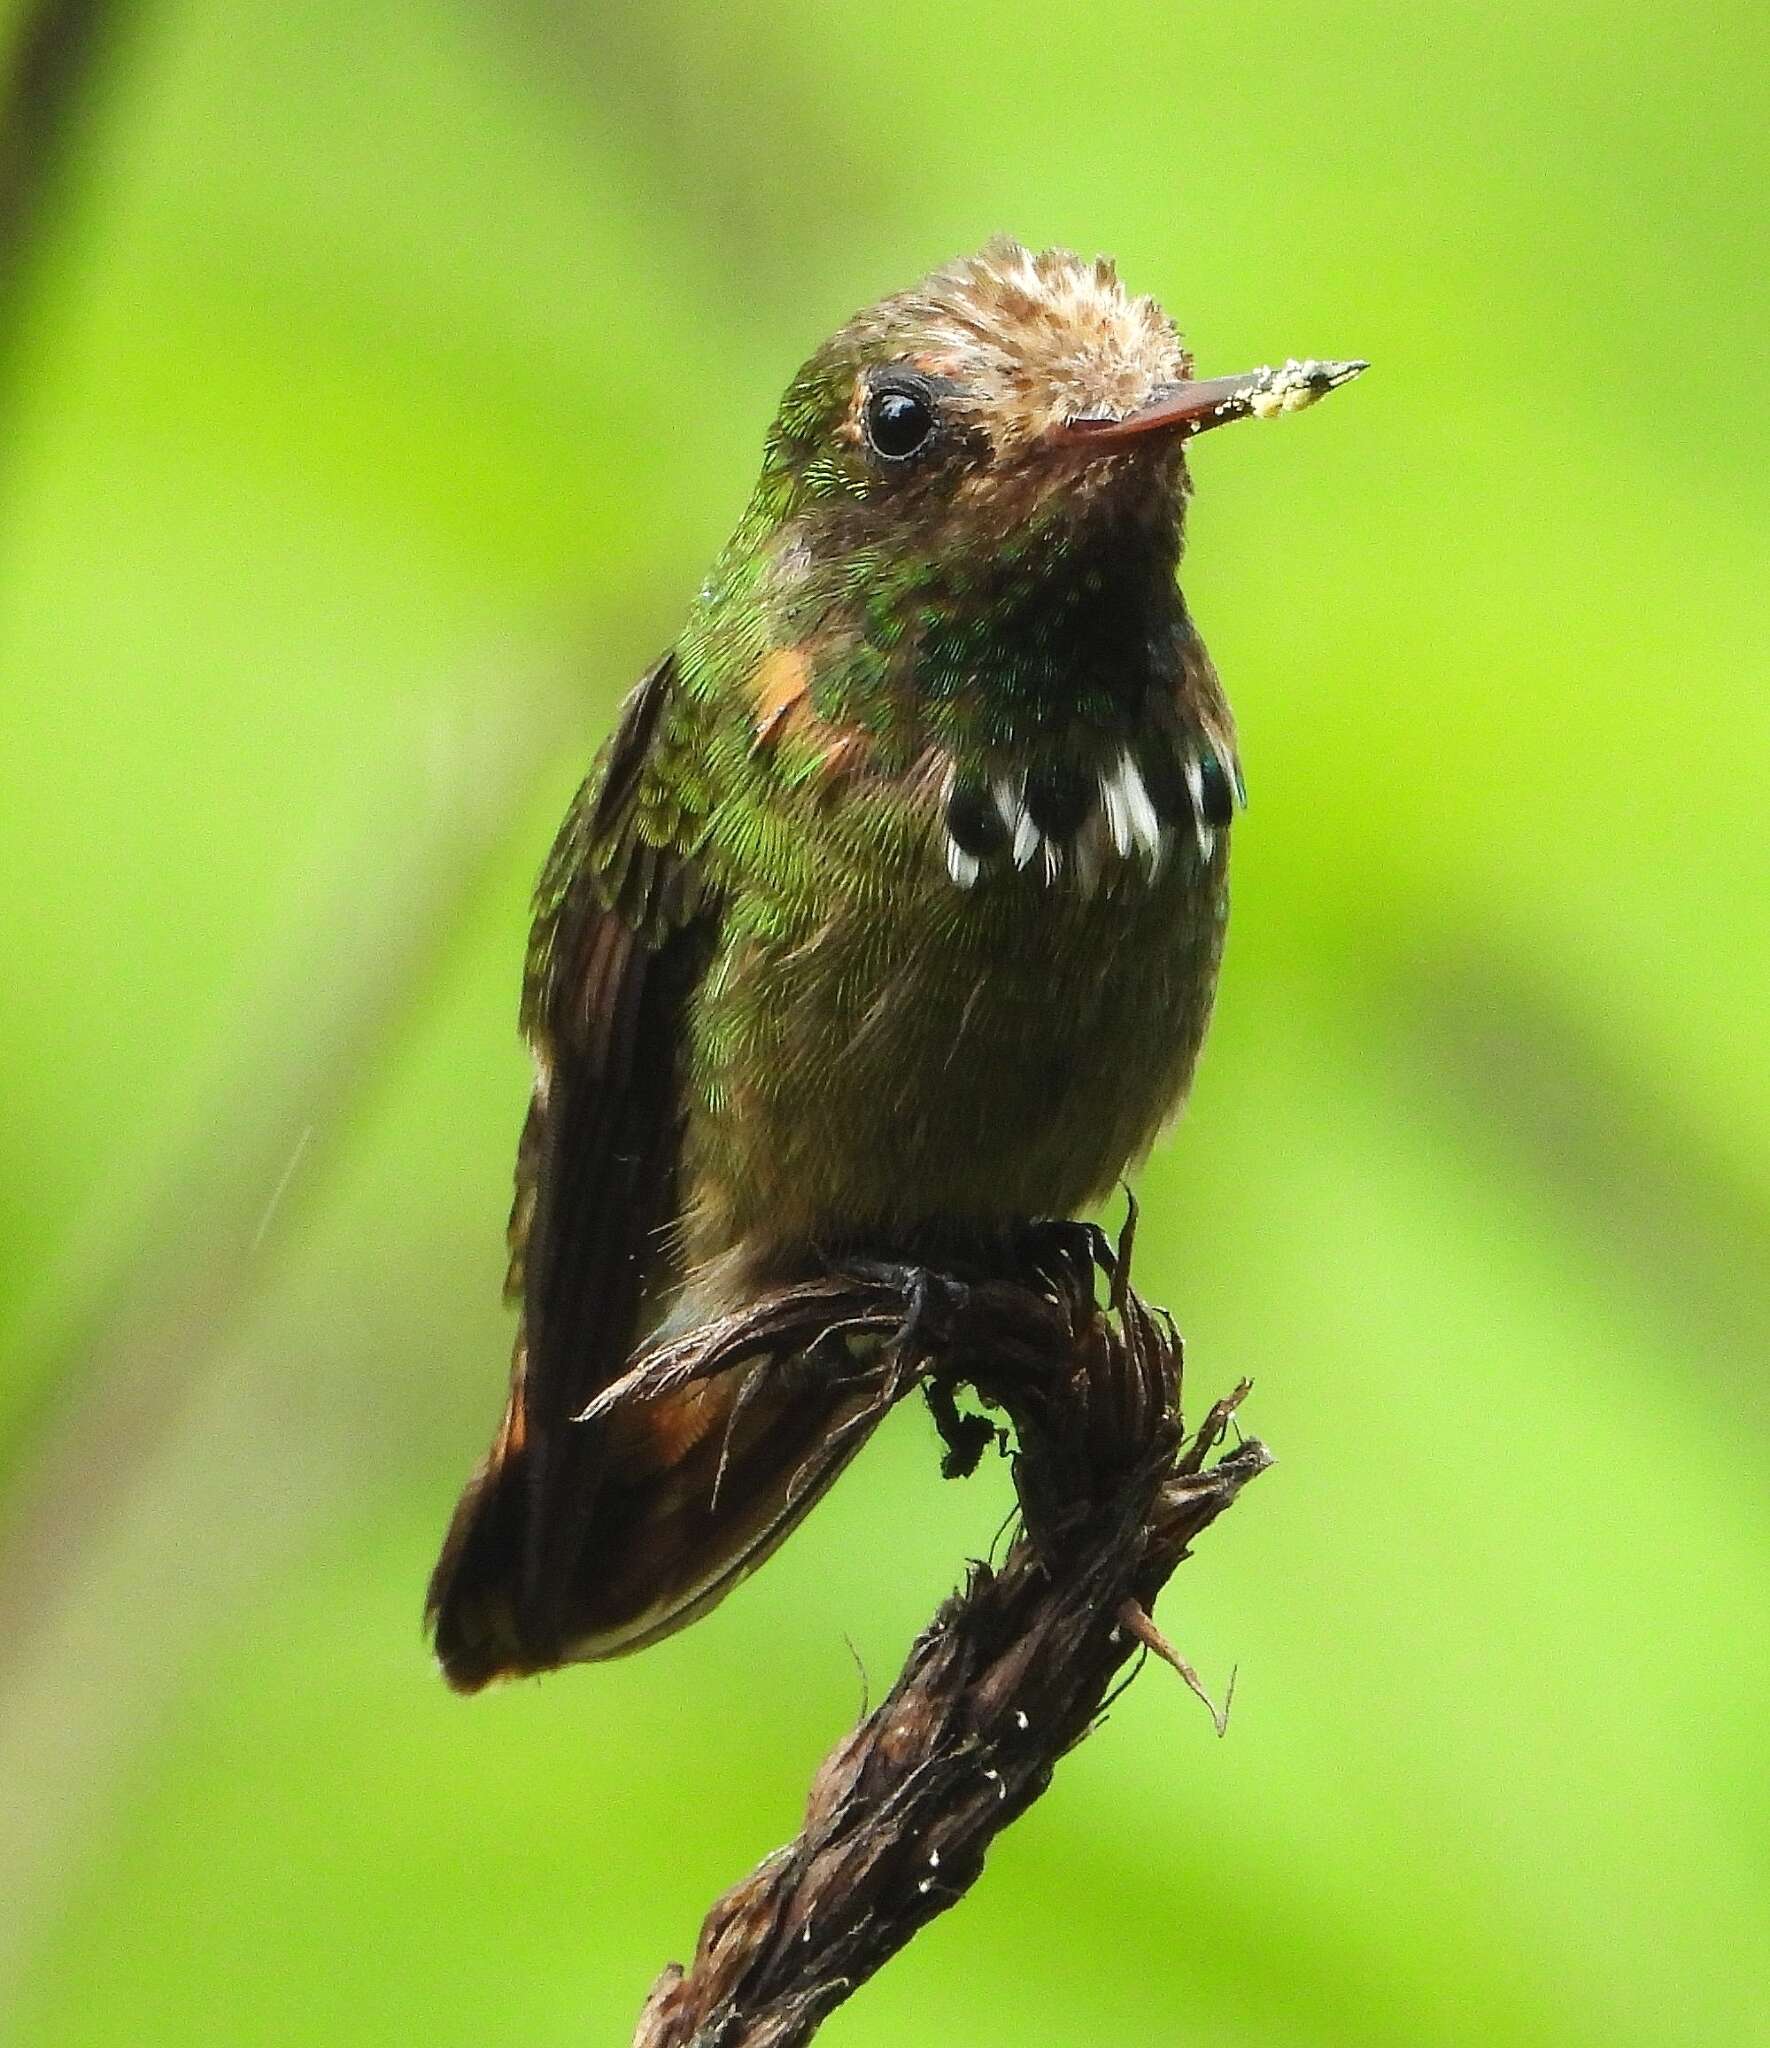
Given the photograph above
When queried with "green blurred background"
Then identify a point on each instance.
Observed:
(382, 379)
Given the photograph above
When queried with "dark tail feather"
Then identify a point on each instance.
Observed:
(669, 1503)
(473, 1602)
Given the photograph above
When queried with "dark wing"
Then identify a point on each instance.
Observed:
(625, 921)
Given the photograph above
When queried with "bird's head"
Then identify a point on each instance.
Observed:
(1007, 391)
(969, 514)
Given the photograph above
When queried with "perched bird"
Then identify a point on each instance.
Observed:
(890, 916)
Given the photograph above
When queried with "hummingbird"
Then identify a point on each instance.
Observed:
(888, 919)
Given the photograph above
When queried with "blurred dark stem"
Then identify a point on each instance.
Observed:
(1017, 1667)
(59, 50)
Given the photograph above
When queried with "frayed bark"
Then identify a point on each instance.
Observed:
(1019, 1664)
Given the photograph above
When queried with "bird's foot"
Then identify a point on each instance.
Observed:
(932, 1300)
(934, 1303)
(1067, 1250)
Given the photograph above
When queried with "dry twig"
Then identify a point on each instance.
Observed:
(1016, 1667)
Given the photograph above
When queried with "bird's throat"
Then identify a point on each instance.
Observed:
(1007, 651)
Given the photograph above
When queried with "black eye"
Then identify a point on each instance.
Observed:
(900, 418)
